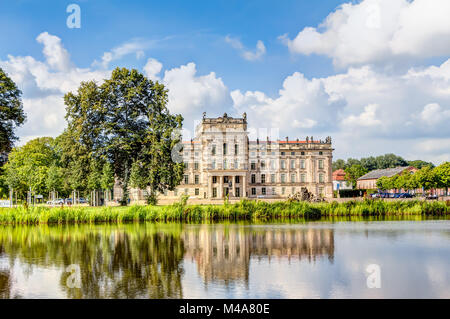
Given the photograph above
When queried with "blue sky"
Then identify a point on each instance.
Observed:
(373, 74)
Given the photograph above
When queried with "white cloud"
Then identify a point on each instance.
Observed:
(57, 56)
(247, 54)
(303, 106)
(367, 118)
(135, 46)
(374, 31)
(152, 68)
(191, 95)
(366, 112)
(44, 84)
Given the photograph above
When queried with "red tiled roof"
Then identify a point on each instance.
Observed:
(339, 175)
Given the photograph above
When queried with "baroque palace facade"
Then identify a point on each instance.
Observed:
(221, 161)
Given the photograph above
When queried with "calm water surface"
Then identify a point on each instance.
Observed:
(322, 259)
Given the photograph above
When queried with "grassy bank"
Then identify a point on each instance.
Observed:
(244, 210)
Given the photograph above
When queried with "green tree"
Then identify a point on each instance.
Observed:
(426, 178)
(420, 164)
(369, 163)
(126, 120)
(384, 183)
(107, 178)
(443, 176)
(354, 172)
(11, 112)
(54, 180)
(339, 164)
(27, 166)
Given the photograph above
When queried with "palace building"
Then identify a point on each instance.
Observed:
(222, 162)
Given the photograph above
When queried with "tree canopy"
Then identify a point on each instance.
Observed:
(11, 112)
(124, 123)
(28, 166)
(380, 162)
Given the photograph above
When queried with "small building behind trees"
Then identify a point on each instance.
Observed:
(369, 180)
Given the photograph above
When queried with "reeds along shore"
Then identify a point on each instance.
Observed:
(244, 210)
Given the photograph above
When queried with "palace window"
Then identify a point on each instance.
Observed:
(213, 151)
(237, 191)
(283, 190)
(186, 179)
(196, 179)
(224, 164)
(283, 178)
(293, 190)
(263, 164)
(214, 179)
(293, 153)
(303, 178)
(196, 165)
(236, 164)
(302, 164)
(283, 153)
(186, 191)
(253, 166)
(213, 164)
(263, 191)
(283, 164)
(292, 164)
(237, 179)
(253, 179)
(263, 178)
(253, 191)
(273, 191)
(302, 153)
(321, 179)
(197, 192)
(186, 165)
(224, 148)
(320, 164)
(292, 178)
(214, 194)
(320, 153)
(236, 149)
(272, 178)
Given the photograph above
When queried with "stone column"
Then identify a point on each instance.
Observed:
(210, 187)
(220, 190)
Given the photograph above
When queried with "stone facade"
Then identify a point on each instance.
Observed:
(221, 161)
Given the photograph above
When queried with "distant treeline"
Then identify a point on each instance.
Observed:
(379, 162)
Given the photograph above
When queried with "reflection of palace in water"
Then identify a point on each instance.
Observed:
(223, 253)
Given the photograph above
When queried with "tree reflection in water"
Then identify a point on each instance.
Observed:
(127, 261)
(145, 260)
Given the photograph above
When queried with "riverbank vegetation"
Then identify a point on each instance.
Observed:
(244, 210)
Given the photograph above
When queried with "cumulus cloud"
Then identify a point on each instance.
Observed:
(191, 94)
(152, 68)
(303, 106)
(44, 84)
(247, 54)
(365, 110)
(374, 31)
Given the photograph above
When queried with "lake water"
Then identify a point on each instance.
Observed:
(320, 259)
